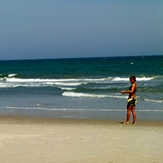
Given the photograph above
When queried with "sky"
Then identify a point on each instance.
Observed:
(38, 29)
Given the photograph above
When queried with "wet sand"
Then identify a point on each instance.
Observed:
(79, 141)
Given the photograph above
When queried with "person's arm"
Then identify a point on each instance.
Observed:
(130, 91)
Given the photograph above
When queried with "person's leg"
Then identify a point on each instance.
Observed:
(128, 114)
(134, 114)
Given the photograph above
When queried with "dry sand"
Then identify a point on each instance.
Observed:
(24, 140)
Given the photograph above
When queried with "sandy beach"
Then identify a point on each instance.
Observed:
(79, 141)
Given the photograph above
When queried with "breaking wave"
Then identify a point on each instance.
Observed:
(10, 80)
(74, 94)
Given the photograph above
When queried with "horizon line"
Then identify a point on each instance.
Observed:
(118, 56)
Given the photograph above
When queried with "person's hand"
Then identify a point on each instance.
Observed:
(123, 92)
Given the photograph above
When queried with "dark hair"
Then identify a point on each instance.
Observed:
(133, 77)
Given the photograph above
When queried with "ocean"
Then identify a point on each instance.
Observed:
(81, 88)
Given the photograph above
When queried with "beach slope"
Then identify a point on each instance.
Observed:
(77, 141)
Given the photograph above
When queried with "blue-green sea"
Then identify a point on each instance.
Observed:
(81, 88)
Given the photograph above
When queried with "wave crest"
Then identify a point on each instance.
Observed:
(74, 94)
(151, 100)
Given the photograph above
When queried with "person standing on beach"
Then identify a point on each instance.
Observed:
(131, 102)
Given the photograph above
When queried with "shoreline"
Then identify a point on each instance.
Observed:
(25, 119)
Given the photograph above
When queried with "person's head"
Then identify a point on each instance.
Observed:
(132, 79)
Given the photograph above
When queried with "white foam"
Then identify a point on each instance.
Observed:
(9, 79)
(68, 84)
(120, 79)
(147, 110)
(27, 80)
(74, 94)
(12, 81)
(61, 109)
(67, 88)
(138, 79)
(79, 109)
(151, 100)
(62, 81)
(11, 75)
(144, 78)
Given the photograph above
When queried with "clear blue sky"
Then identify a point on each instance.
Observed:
(36, 29)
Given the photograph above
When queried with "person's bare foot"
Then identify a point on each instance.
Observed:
(134, 123)
(126, 122)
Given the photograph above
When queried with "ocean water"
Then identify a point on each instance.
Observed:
(83, 88)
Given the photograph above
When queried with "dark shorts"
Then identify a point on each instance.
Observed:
(131, 102)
